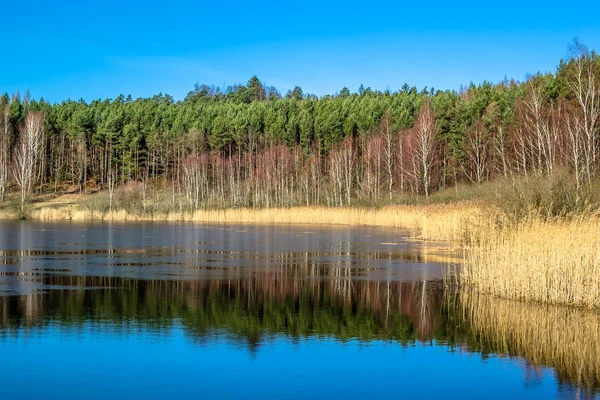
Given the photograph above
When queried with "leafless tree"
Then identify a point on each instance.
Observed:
(4, 155)
(476, 148)
(386, 127)
(145, 176)
(111, 182)
(304, 179)
(336, 177)
(573, 126)
(80, 161)
(27, 153)
(315, 173)
(519, 146)
(585, 86)
(539, 128)
(401, 156)
(499, 140)
(193, 176)
(348, 154)
(531, 113)
(371, 167)
(424, 144)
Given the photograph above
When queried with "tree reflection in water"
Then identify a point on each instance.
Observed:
(250, 310)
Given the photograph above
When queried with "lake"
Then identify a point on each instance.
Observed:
(176, 310)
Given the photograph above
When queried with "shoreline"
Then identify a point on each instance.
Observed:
(439, 222)
(545, 260)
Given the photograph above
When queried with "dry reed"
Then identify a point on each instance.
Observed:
(547, 261)
(432, 222)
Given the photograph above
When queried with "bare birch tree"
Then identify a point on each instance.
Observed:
(386, 127)
(586, 89)
(499, 144)
(573, 127)
(27, 153)
(400, 157)
(532, 114)
(4, 156)
(476, 148)
(193, 179)
(424, 144)
(348, 154)
(111, 182)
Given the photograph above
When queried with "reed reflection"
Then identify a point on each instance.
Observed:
(564, 338)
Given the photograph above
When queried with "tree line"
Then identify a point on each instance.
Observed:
(247, 145)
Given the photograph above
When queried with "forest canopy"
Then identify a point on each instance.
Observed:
(249, 145)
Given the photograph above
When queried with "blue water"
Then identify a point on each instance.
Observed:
(155, 311)
(104, 362)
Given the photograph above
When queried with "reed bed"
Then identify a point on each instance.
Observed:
(556, 261)
(565, 338)
(432, 222)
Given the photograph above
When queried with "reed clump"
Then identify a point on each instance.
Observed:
(545, 260)
(537, 239)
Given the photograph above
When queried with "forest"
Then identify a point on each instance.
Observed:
(250, 146)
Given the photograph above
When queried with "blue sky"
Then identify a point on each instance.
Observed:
(92, 49)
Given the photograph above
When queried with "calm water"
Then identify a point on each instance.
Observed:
(157, 310)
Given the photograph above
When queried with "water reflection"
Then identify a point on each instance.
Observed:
(331, 291)
(31, 251)
(249, 308)
(250, 311)
(566, 339)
